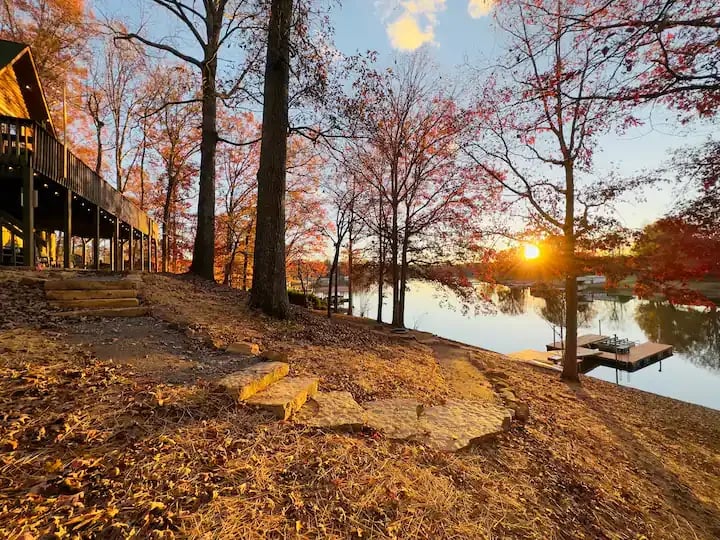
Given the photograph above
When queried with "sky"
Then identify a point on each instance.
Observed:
(461, 33)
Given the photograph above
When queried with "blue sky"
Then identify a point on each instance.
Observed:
(458, 33)
(455, 39)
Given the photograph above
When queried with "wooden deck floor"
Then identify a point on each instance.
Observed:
(639, 356)
(582, 341)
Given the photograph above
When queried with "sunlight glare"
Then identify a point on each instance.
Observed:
(531, 251)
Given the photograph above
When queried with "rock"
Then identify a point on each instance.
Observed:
(247, 382)
(332, 410)
(275, 356)
(522, 412)
(286, 396)
(496, 374)
(508, 395)
(243, 347)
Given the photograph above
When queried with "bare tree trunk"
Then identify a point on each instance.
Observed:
(350, 269)
(333, 271)
(246, 258)
(403, 279)
(570, 368)
(203, 263)
(142, 167)
(337, 277)
(381, 278)
(98, 161)
(269, 288)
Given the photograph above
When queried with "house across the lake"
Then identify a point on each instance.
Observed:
(54, 209)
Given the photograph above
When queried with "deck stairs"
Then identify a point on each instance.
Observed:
(94, 297)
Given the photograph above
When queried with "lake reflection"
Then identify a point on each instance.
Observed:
(524, 318)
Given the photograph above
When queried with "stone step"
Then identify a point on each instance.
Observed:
(138, 311)
(90, 294)
(97, 303)
(286, 396)
(90, 284)
(332, 410)
(245, 383)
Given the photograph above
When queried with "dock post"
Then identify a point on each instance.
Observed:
(96, 239)
(616, 376)
(28, 192)
(67, 229)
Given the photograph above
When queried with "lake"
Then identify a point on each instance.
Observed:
(521, 318)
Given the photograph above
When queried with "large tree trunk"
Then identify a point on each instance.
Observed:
(269, 288)
(570, 368)
(203, 263)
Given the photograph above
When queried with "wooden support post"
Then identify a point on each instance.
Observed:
(96, 240)
(142, 252)
(28, 191)
(149, 253)
(130, 249)
(117, 251)
(67, 229)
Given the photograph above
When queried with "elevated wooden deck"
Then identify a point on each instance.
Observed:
(45, 188)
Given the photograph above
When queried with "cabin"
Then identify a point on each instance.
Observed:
(54, 209)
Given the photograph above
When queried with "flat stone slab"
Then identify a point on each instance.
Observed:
(448, 428)
(397, 418)
(243, 347)
(90, 284)
(97, 303)
(332, 410)
(106, 312)
(286, 396)
(90, 294)
(245, 383)
(458, 424)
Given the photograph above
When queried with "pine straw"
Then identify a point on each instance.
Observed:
(93, 449)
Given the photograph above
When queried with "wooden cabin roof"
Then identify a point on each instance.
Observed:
(18, 69)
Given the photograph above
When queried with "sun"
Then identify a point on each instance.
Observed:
(531, 251)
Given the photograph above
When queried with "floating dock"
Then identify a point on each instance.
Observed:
(584, 341)
(637, 357)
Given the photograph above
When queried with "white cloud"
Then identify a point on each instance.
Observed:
(480, 8)
(415, 25)
(405, 33)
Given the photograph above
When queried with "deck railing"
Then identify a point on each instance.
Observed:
(19, 137)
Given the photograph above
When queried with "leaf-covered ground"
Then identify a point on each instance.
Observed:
(112, 429)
